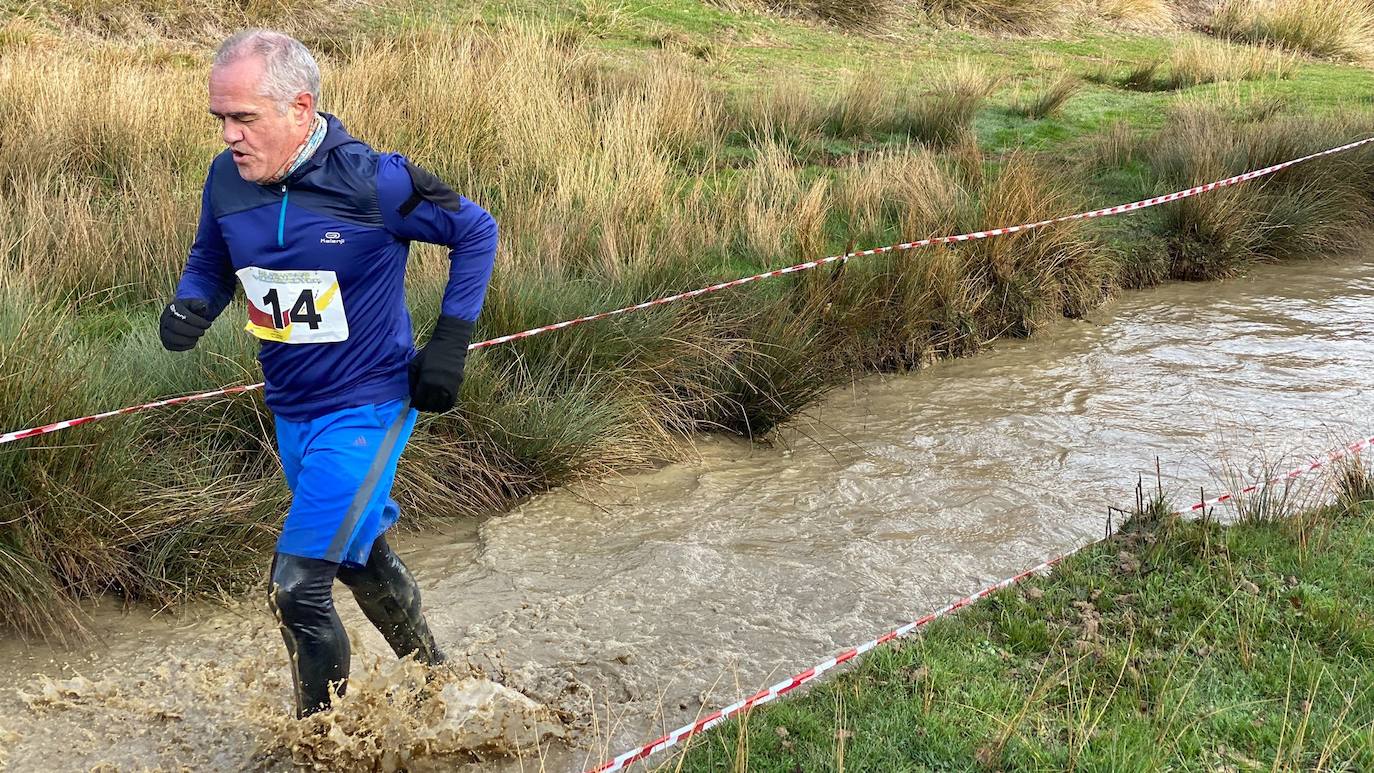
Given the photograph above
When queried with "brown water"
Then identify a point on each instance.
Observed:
(630, 605)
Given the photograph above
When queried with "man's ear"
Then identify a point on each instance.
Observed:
(303, 109)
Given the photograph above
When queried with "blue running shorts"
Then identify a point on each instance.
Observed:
(340, 468)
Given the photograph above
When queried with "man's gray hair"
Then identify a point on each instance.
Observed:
(288, 67)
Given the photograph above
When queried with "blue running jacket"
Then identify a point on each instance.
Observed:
(322, 257)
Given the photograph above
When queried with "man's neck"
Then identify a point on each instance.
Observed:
(305, 148)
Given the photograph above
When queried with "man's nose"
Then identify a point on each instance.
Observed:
(232, 133)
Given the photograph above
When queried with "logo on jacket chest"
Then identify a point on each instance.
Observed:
(332, 237)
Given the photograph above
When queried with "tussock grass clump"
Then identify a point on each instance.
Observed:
(944, 115)
(1036, 277)
(1319, 207)
(966, 294)
(1144, 13)
(1354, 483)
(1197, 61)
(1115, 146)
(788, 110)
(1049, 98)
(1019, 16)
(848, 14)
(316, 21)
(1341, 29)
(937, 110)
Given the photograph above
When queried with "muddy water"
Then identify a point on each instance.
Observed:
(629, 605)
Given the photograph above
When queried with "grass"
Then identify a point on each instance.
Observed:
(849, 14)
(1179, 645)
(1342, 29)
(691, 144)
(1023, 16)
(1015, 16)
(937, 108)
(1196, 62)
(1049, 99)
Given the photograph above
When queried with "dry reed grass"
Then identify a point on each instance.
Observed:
(937, 109)
(1342, 29)
(1197, 61)
(1018, 16)
(321, 23)
(1151, 14)
(848, 14)
(1025, 17)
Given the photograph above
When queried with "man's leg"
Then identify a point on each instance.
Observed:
(302, 600)
(345, 462)
(390, 598)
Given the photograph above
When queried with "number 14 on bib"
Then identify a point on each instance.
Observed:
(294, 307)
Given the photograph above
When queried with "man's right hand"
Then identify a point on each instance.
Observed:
(183, 323)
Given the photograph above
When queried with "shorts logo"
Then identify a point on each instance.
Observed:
(332, 237)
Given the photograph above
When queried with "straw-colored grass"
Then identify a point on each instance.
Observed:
(320, 22)
(1318, 208)
(1197, 61)
(848, 14)
(1342, 29)
(1020, 16)
(1048, 98)
(937, 110)
(1026, 17)
(1144, 13)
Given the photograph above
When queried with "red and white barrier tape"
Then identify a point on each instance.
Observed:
(770, 694)
(1119, 209)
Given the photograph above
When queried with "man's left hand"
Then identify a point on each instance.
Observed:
(437, 370)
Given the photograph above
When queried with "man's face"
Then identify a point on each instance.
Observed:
(261, 137)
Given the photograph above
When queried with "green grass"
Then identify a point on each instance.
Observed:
(1177, 646)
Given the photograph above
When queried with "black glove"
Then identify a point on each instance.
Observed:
(437, 370)
(184, 321)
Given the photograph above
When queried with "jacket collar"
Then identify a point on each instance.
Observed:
(335, 136)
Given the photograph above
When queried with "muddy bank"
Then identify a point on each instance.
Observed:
(626, 607)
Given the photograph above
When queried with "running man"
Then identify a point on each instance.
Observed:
(316, 226)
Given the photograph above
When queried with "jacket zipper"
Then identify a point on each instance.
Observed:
(281, 218)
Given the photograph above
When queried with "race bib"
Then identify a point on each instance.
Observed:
(294, 307)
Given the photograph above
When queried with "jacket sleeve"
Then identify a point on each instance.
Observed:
(209, 274)
(417, 206)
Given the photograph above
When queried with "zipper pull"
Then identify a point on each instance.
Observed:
(281, 218)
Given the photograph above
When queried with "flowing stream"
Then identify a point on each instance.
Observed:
(629, 606)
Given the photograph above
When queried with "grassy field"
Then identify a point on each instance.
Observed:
(1172, 646)
(629, 149)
